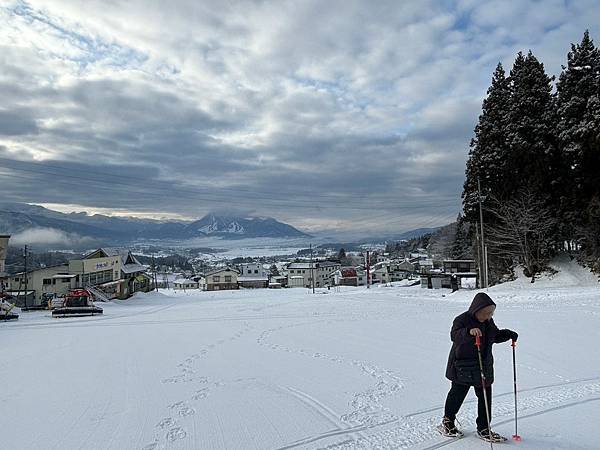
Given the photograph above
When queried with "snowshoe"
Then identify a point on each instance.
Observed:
(448, 429)
(490, 437)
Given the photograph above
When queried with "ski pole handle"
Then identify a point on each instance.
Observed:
(514, 343)
(477, 341)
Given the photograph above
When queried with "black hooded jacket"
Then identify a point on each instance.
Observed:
(463, 354)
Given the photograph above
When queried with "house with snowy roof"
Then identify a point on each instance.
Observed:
(115, 271)
(225, 278)
(322, 271)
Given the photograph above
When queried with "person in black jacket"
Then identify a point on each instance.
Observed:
(463, 364)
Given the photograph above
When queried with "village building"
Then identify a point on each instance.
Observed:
(295, 281)
(40, 284)
(349, 276)
(253, 276)
(249, 282)
(322, 271)
(222, 279)
(424, 265)
(455, 274)
(401, 270)
(255, 270)
(382, 258)
(459, 266)
(379, 274)
(96, 268)
(201, 280)
(278, 281)
(185, 283)
(113, 270)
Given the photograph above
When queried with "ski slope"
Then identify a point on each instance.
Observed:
(286, 369)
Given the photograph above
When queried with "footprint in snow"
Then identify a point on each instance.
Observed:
(175, 434)
(166, 423)
(185, 412)
(200, 395)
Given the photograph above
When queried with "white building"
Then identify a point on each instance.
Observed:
(322, 271)
(185, 283)
(253, 270)
(48, 280)
(295, 281)
(379, 273)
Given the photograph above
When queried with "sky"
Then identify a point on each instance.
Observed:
(340, 116)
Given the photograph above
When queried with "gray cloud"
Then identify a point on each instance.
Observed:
(17, 122)
(348, 115)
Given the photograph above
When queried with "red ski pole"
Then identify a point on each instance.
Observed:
(515, 436)
(483, 388)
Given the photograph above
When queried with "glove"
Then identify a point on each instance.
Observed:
(513, 335)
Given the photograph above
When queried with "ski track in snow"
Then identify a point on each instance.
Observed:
(412, 430)
(367, 410)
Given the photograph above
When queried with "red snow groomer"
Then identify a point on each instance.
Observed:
(78, 302)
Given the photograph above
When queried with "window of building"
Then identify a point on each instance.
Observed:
(227, 278)
(216, 278)
(47, 281)
(255, 270)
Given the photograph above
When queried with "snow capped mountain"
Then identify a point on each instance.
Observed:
(215, 224)
(238, 227)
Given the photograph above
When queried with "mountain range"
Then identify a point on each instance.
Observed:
(20, 217)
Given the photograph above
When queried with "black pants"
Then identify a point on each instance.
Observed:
(457, 395)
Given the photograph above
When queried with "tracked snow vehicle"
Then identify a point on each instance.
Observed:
(76, 303)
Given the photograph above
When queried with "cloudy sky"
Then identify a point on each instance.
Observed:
(329, 115)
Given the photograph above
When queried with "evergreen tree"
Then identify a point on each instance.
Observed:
(578, 108)
(274, 270)
(530, 131)
(461, 247)
(487, 156)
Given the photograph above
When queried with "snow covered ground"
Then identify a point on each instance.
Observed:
(285, 369)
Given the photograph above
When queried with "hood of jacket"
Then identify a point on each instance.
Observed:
(480, 301)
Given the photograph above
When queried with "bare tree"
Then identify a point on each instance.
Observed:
(522, 232)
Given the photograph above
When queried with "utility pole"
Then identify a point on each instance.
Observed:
(26, 275)
(368, 270)
(154, 274)
(312, 271)
(483, 249)
(479, 258)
